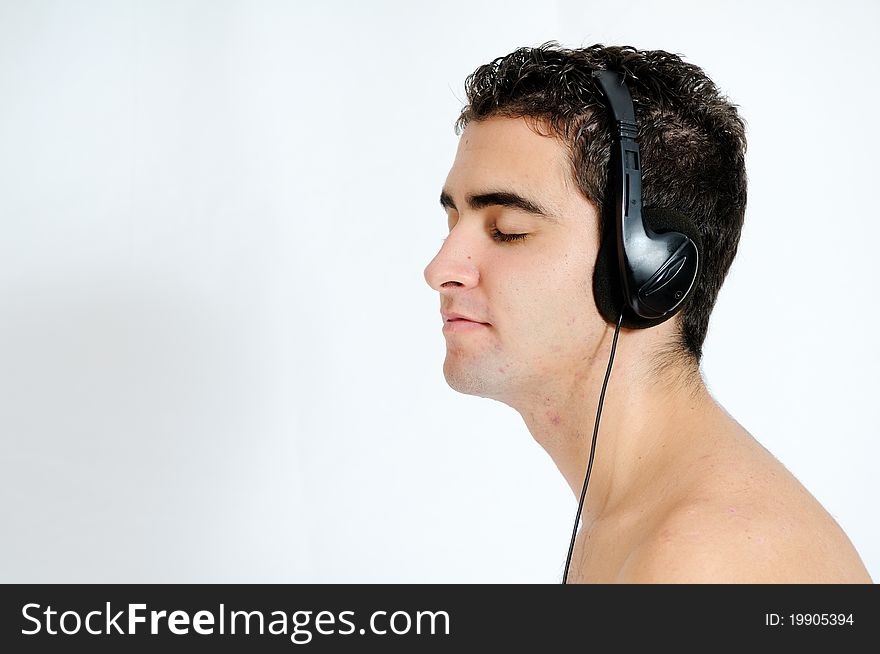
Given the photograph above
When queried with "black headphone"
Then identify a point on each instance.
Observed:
(657, 263)
(644, 273)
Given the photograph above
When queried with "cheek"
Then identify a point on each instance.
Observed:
(545, 304)
(553, 315)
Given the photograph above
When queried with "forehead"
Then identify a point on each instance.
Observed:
(507, 152)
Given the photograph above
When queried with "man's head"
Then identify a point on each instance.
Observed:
(535, 126)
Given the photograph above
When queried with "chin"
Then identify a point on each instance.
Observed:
(481, 379)
(469, 380)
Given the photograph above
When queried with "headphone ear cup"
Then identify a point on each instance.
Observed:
(607, 285)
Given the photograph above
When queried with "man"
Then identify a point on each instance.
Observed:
(679, 491)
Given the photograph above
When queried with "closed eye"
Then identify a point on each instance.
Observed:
(501, 236)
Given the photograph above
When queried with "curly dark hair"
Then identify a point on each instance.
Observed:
(691, 137)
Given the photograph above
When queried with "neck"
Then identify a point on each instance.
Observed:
(649, 418)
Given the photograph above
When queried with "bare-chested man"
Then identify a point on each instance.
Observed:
(679, 491)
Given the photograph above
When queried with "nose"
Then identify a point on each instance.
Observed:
(453, 266)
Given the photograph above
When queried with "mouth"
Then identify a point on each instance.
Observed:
(450, 316)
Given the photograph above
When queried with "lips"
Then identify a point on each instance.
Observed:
(451, 316)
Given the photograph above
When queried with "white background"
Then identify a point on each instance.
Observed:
(219, 360)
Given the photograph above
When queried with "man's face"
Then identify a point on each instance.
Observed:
(535, 293)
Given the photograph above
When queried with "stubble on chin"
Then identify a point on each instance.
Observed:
(463, 378)
(483, 376)
(468, 376)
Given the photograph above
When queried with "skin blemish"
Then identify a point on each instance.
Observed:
(554, 418)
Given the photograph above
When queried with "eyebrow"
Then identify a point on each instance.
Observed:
(501, 198)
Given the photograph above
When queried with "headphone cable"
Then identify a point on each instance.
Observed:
(577, 518)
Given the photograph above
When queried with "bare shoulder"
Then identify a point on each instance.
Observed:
(753, 522)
